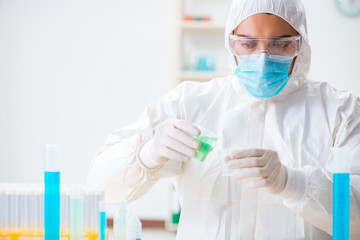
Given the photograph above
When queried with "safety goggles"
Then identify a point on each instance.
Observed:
(283, 46)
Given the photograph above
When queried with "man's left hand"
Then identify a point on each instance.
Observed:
(262, 166)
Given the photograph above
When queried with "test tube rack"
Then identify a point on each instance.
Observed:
(22, 211)
(17, 236)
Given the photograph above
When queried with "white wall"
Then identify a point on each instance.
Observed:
(335, 40)
(71, 71)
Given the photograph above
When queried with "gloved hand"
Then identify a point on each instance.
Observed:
(173, 140)
(261, 164)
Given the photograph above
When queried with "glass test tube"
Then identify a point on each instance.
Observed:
(133, 229)
(92, 196)
(96, 214)
(20, 192)
(121, 221)
(14, 209)
(7, 207)
(102, 220)
(87, 197)
(33, 211)
(65, 209)
(341, 193)
(24, 209)
(41, 203)
(2, 208)
(52, 192)
(76, 214)
(37, 210)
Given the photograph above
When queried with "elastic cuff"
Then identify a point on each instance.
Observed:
(296, 187)
(144, 157)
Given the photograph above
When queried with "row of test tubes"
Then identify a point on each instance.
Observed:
(22, 211)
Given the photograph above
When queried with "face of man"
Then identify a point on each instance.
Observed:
(266, 25)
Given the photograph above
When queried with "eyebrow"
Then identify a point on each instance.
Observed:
(282, 36)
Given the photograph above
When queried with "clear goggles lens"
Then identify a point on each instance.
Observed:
(287, 46)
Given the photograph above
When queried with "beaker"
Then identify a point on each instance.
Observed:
(207, 141)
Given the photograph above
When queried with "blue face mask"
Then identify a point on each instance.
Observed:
(262, 76)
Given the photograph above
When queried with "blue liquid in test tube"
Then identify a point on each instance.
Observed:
(52, 193)
(341, 194)
(341, 208)
(102, 211)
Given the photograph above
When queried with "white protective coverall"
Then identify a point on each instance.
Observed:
(302, 123)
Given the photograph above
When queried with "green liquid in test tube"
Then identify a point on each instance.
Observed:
(120, 222)
(207, 144)
(76, 214)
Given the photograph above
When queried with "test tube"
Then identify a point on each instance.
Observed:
(341, 193)
(87, 208)
(65, 209)
(41, 214)
(133, 231)
(174, 206)
(94, 213)
(121, 221)
(76, 213)
(33, 210)
(102, 220)
(7, 207)
(14, 209)
(92, 196)
(23, 193)
(52, 192)
(98, 196)
(36, 209)
(28, 192)
(2, 210)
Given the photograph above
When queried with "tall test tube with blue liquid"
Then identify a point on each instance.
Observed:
(52, 154)
(341, 193)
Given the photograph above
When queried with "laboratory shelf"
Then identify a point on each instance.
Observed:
(201, 25)
(201, 76)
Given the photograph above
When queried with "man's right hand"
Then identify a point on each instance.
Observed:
(173, 140)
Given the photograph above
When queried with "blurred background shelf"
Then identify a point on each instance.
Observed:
(199, 49)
